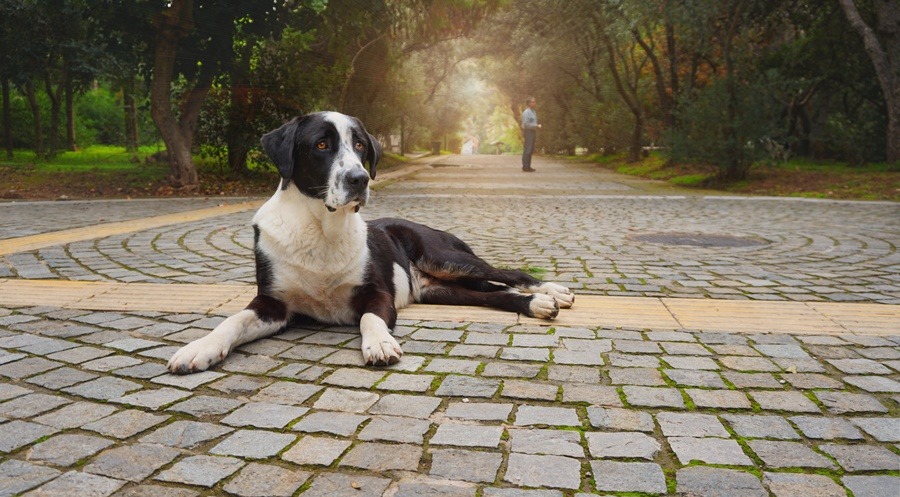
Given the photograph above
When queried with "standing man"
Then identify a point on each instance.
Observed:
(529, 129)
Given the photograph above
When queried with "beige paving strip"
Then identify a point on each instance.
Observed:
(43, 240)
(735, 316)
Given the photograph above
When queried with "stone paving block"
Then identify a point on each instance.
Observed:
(346, 400)
(677, 424)
(525, 354)
(636, 376)
(239, 384)
(597, 395)
(511, 370)
(551, 416)
(341, 485)
(417, 487)
(692, 378)
(104, 388)
(144, 371)
(153, 399)
(319, 451)
(467, 386)
(574, 374)
(78, 483)
(30, 405)
(78, 355)
(798, 485)
(519, 389)
(878, 384)
(16, 434)
(287, 393)
(826, 428)
(782, 351)
(681, 348)
(150, 490)
(264, 415)
(249, 364)
(872, 486)
(206, 405)
(844, 402)
(636, 347)
(881, 429)
(125, 424)
(110, 363)
(644, 477)
(718, 482)
(479, 411)
(784, 401)
(760, 426)
(863, 457)
(718, 399)
(670, 336)
(466, 350)
(741, 363)
(394, 429)
(777, 454)
(132, 462)
(653, 397)
(29, 366)
(204, 471)
(10, 391)
(614, 419)
(18, 476)
(383, 457)
(519, 492)
(528, 470)
(67, 449)
(552, 442)
(752, 380)
(478, 338)
(467, 435)
(709, 451)
(185, 434)
(253, 444)
(264, 480)
(188, 381)
(807, 381)
(353, 378)
(633, 361)
(621, 445)
(337, 423)
(853, 366)
(734, 349)
(799, 365)
(465, 465)
(415, 406)
(406, 382)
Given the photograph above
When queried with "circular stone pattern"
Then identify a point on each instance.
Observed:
(699, 240)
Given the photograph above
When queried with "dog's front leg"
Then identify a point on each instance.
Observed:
(263, 317)
(379, 348)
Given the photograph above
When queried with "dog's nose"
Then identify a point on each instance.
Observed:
(358, 179)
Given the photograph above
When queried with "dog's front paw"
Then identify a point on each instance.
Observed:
(197, 356)
(543, 306)
(562, 294)
(380, 349)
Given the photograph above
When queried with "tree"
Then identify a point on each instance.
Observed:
(886, 59)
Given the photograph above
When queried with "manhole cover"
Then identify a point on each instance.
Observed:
(699, 240)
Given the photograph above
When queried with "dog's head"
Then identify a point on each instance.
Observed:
(322, 154)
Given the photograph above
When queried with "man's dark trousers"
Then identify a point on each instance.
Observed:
(530, 136)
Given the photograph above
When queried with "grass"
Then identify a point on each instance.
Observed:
(104, 171)
(798, 177)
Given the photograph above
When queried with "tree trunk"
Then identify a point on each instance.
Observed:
(70, 114)
(171, 25)
(885, 58)
(630, 97)
(665, 101)
(634, 151)
(36, 119)
(7, 120)
(239, 128)
(55, 97)
(128, 106)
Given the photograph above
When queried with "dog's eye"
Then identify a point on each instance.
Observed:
(322, 145)
(360, 146)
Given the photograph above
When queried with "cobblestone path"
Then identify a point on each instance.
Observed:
(474, 409)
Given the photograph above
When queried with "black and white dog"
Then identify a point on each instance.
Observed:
(316, 257)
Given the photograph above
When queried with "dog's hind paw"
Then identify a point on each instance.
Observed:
(561, 293)
(543, 306)
(197, 356)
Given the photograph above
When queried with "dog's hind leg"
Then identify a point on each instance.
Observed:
(263, 317)
(537, 305)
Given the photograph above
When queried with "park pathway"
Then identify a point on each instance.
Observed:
(719, 345)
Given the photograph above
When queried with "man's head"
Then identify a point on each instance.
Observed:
(531, 102)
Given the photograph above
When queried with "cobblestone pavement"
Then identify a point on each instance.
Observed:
(474, 409)
(605, 237)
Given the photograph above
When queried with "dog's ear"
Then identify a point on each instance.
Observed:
(373, 155)
(279, 146)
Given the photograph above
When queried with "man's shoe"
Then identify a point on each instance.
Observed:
(528, 170)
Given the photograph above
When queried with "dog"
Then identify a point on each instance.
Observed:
(317, 257)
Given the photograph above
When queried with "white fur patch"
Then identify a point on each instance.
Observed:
(402, 296)
(378, 346)
(562, 294)
(543, 306)
(345, 160)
